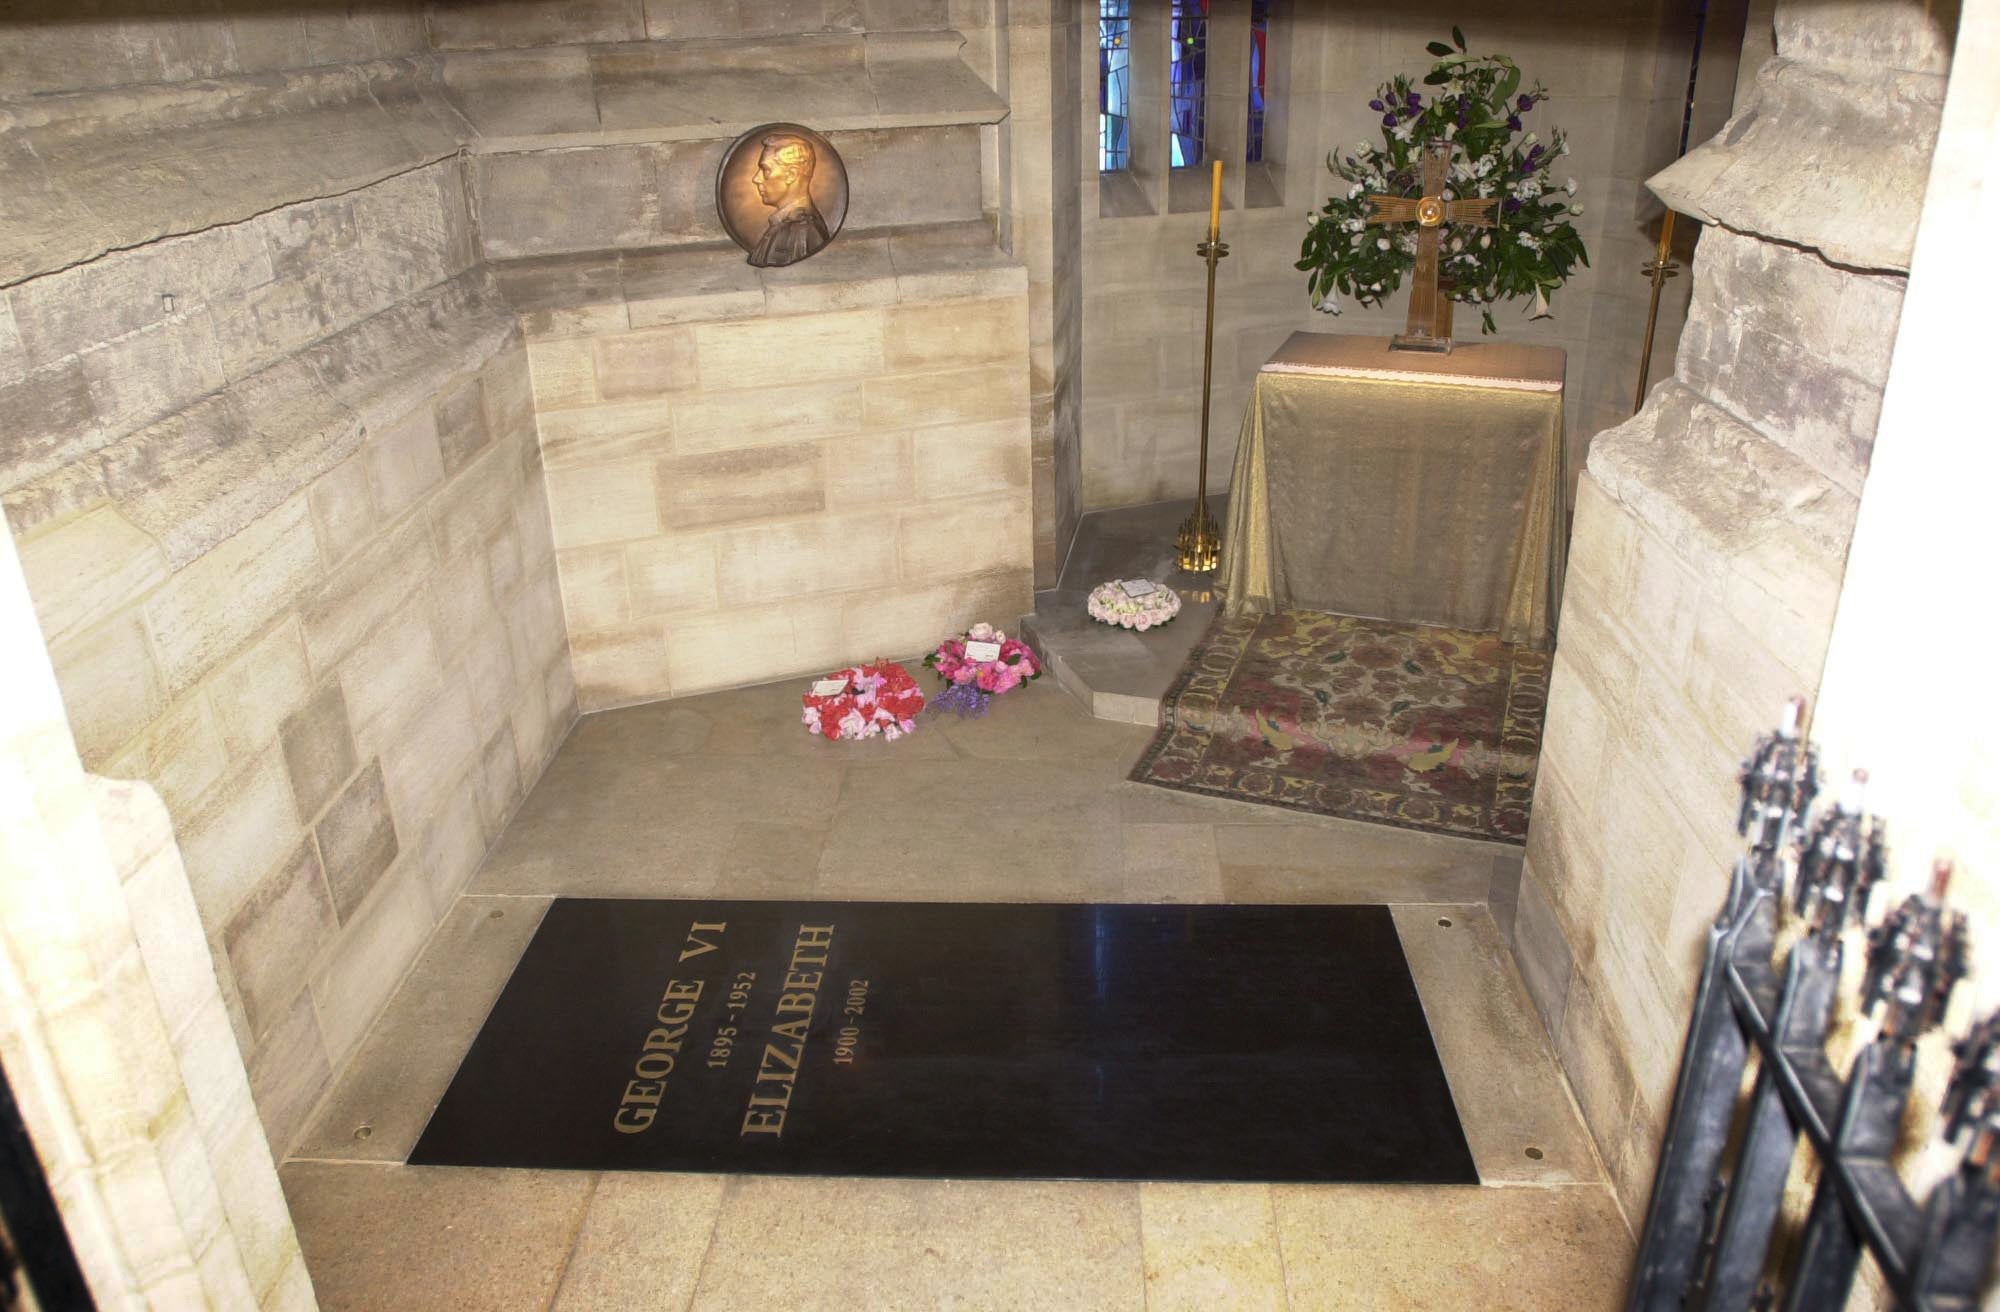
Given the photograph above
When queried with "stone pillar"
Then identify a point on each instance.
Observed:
(113, 1030)
(1042, 224)
(1710, 538)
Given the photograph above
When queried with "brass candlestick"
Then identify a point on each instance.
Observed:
(1198, 546)
(1658, 270)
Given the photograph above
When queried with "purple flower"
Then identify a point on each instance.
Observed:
(1388, 120)
(1414, 100)
(1535, 154)
(1511, 205)
(1378, 106)
(1513, 122)
(1525, 104)
(1464, 112)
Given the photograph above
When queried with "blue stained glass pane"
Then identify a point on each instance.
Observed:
(1189, 80)
(1114, 73)
(1260, 33)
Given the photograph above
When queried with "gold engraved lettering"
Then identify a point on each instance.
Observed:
(656, 1059)
(778, 1069)
(690, 950)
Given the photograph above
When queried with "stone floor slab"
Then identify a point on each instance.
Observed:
(407, 1237)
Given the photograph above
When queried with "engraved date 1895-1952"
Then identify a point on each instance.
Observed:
(848, 1036)
(723, 1045)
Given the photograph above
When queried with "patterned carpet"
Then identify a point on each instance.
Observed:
(1400, 724)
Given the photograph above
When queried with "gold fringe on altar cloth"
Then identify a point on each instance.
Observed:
(1416, 488)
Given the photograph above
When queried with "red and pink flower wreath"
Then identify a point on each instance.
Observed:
(1014, 666)
(879, 699)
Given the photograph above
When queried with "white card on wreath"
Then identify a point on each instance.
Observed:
(980, 652)
(829, 687)
(1139, 587)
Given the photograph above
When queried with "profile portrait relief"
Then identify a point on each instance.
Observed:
(781, 194)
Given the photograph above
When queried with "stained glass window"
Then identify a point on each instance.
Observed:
(1189, 80)
(1260, 32)
(1114, 84)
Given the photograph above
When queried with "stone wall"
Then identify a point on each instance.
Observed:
(776, 472)
(117, 1044)
(278, 496)
(1614, 72)
(1710, 543)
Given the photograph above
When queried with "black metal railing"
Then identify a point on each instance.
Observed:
(1707, 1245)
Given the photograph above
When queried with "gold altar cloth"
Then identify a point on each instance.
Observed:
(1401, 486)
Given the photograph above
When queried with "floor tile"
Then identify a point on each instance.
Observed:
(839, 1245)
(1421, 1248)
(1211, 1246)
(433, 1239)
(641, 1243)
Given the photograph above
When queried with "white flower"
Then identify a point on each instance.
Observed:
(1528, 141)
(1355, 190)
(1569, 186)
(1576, 209)
(1374, 286)
(1330, 304)
(1355, 225)
(1457, 244)
(1361, 148)
(1485, 240)
(1541, 305)
(1450, 131)
(1381, 243)
(1529, 240)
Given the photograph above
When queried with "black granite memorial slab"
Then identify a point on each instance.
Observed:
(955, 1040)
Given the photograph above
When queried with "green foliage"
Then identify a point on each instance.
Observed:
(1474, 109)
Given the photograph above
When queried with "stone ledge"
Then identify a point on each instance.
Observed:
(653, 91)
(98, 171)
(1713, 487)
(196, 477)
(1830, 159)
(616, 291)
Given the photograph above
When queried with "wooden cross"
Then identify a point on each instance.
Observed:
(1429, 328)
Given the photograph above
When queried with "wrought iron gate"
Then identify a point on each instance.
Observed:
(1710, 1223)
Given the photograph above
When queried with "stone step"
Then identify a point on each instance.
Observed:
(1116, 673)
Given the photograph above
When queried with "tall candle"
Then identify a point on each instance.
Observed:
(1666, 236)
(1215, 202)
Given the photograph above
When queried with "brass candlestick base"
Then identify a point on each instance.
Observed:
(1198, 546)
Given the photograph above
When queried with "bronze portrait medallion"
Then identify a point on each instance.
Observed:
(781, 193)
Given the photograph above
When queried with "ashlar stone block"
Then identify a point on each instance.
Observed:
(870, 469)
(968, 459)
(319, 750)
(599, 433)
(222, 600)
(621, 663)
(954, 396)
(357, 839)
(255, 693)
(83, 570)
(790, 349)
(247, 825)
(281, 926)
(768, 416)
(375, 949)
(671, 574)
(343, 509)
(732, 486)
(955, 333)
(966, 537)
(832, 553)
(180, 754)
(111, 688)
(647, 363)
(343, 611)
(406, 462)
(603, 503)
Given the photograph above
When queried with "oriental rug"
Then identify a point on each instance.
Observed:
(1400, 724)
(956, 1040)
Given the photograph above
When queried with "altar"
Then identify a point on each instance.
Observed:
(1401, 485)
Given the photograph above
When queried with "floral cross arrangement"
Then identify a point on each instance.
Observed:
(978, 666)
(864, 701)
(1475, 112)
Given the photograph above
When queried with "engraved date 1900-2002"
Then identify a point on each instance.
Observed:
(848, 1036)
